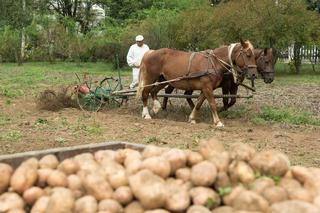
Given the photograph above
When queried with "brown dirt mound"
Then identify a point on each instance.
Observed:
(52, 100)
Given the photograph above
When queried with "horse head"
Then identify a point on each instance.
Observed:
(265, 64)
(241, 55)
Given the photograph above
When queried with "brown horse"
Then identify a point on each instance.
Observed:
(188, 71)
(265, 65)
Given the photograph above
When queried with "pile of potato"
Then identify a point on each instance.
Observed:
(160, 180)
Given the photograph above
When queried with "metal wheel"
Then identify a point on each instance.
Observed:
(88, 101)
(106, 87)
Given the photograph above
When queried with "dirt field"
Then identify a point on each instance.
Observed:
(24, 127)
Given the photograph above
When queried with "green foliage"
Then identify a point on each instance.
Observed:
(287, 116)
(77, 31)
(211, 203)
(9, 44)
(222, 191)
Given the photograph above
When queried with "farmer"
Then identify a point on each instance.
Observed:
(134, 58)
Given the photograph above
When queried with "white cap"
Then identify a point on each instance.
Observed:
(139, 38)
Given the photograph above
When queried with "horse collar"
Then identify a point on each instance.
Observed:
(230, 50)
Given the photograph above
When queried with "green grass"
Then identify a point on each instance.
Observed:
(289, 116)
(27, 79)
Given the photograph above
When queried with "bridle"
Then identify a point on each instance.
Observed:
(237, 72)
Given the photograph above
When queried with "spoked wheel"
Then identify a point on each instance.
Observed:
(88, 100)
(106, 87)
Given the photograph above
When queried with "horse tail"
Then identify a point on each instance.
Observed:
(141, 85)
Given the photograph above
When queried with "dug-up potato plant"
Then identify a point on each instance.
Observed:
(159, 180)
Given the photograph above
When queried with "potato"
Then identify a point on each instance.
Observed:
(43, 175)
(221, 161)
(205, 196)
(229, 198)
(275, 194)
(86, 162)
(240, 171)
(69, 166)
(110, 167)
(249, 201)
(134, 207)
(289, 184)
(61, 201)
(259, 185)
(105, 155)
(48, 162)
(162, 167)
(86, 204)
(198, 209)
(210, 147)
(57, 179)
(222, 180)
(316, 201)
(24, 176)
(40, 205)
(16, 211)
(6, 172)
(203, 174)
(177, 159)
(270, 163)
(183, 174)
(133, 166)
(294, 206)
(241, 152)
(123, 195)
(152, 151)
(300, 194)
(178, 198)
(149, 189)
(32, 194)
(157, 211)
(75, 185)
(10, 201)
(97, 186)
(193, 158)
(110, 205)
(223, 209)
(118, 179)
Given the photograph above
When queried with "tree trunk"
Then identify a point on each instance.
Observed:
(23, 36)
(23, 44)
(297, 56)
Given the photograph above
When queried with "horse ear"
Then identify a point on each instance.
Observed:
(265, 51)
(243, 43)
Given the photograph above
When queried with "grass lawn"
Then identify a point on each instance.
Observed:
(31, 77)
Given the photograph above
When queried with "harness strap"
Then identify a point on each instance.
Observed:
(230, 50)
(190, 62)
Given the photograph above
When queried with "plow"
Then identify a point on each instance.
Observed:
(93, 95)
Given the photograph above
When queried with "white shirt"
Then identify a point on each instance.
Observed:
(135, 54)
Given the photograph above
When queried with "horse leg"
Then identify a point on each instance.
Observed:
(168, 90)
(233, 91)
(145, 96)
(194, 113)
(156, 104)
(225, 91)
(189, 100)
(209, 96)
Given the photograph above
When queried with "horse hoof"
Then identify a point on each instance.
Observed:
(192, 121)
(147, 117)
(219, 124)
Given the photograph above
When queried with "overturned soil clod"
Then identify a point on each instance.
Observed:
(52, 100)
